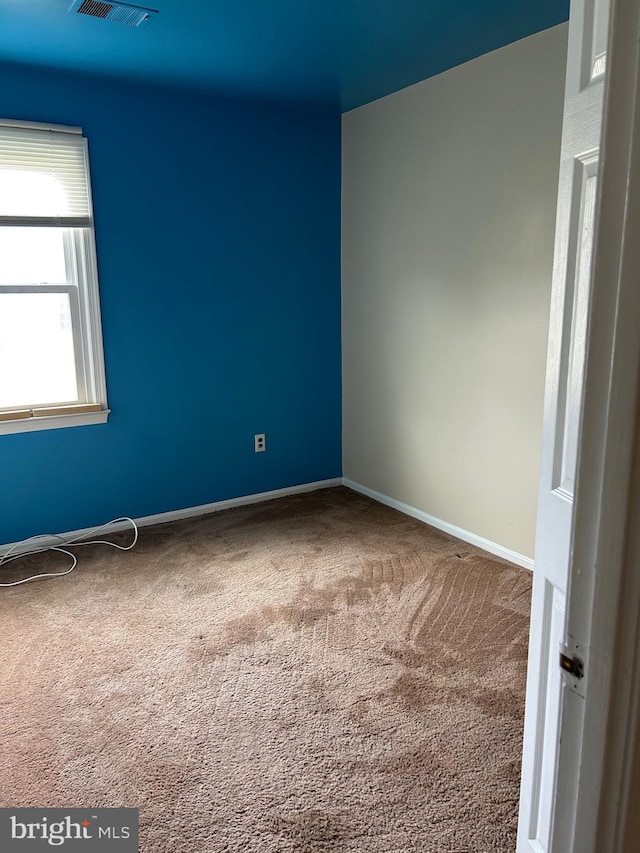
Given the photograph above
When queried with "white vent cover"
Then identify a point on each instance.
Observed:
(121, 13)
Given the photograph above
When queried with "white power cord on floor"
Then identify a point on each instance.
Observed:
(10, 555)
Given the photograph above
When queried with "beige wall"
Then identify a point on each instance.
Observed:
(449, 191)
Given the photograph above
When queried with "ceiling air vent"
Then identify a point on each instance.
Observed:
(121, 13)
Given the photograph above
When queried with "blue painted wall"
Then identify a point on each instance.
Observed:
(218, 236)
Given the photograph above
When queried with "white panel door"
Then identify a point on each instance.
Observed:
(541, 817)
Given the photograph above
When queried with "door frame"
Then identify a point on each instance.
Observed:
(603, 604)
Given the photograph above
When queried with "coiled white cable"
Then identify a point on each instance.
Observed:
(10, 555)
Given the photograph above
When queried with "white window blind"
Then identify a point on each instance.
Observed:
(44, 178)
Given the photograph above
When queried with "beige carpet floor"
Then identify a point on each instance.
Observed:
(317, 673)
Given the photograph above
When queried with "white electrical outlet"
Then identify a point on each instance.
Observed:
(260, 442)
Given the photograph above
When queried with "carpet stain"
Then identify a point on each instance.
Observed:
(310, 827)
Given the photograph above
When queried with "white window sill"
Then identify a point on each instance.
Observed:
(54, 422)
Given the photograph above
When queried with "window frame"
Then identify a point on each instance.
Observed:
(86, 325)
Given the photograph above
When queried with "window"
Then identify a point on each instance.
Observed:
(51, 360)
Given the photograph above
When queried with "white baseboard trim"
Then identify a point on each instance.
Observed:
(48, 540)
(445, 526)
